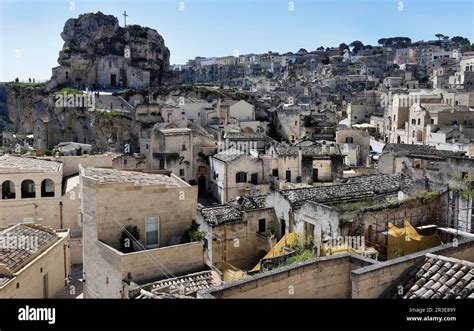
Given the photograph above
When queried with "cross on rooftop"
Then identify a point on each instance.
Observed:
(124, 18)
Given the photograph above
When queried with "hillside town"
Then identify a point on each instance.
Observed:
(343, 171)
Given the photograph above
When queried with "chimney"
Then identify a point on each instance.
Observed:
(300, 160)
(218, 108)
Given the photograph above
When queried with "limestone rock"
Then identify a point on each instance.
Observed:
(98, 52)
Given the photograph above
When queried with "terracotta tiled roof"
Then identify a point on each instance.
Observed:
(221, 214)
(183, 286)
(421, 150)
(361, 187)
(248, 202)
(20, 243)
(441, 278)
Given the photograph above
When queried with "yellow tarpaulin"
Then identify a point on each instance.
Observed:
(277, 250)
(231, 273)
(406, 240)
(327, 250)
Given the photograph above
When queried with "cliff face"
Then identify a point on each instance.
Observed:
(29, 108)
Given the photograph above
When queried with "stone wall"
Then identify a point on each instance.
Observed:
(174, 207)
(41, 210)
(371, 281)
(325, 277)
(71, 163)
(161, 262)
(242, 247)
(107, 268)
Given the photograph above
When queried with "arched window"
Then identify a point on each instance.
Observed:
(47, 188)
(8, 190)
(28, 189)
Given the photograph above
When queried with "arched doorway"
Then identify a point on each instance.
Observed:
(8, 190)
(47, 188)
(28, 189)
(202, 184)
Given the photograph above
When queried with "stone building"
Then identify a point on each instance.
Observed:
(355, 145)
(31, 191)
(306, 162)
(163, 209)
(34, 261)
(239, 233)
(249, 140)
(236, 173)
(240, 114)
(304, 210)
(172, 149)
(183, 151)
(97, 52)
(452, 169)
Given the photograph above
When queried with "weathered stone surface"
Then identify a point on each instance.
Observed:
(94, 43)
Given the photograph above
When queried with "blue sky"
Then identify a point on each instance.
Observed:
(30, 29)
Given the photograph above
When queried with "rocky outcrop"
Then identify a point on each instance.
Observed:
(92, 40)
(30, 108)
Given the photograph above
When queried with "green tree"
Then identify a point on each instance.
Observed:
(356, 46)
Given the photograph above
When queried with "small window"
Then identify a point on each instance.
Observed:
(152, 232)
(47, 188)
(413, 121)
(349, 140)
(254, 179)
(184, 147)
(241, 177)
(288, 176)
(181, 172)
(262, 225)
(125, 161)
(419, 121)
(275, 172)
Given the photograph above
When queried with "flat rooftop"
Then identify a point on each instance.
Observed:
(103, 175)
(176, 131)
(9, 164)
